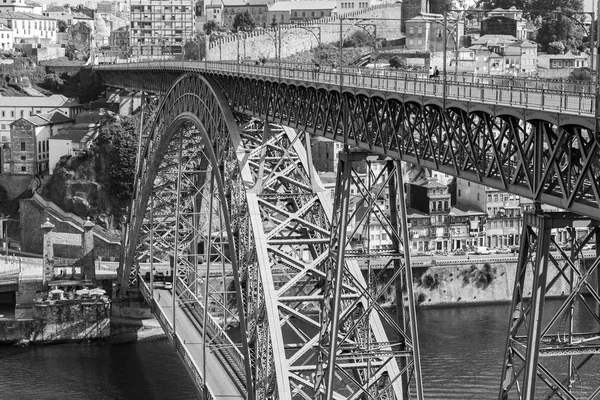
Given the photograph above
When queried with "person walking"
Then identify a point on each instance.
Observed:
(316, 70)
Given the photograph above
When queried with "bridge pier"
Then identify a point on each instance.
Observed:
(546, 344)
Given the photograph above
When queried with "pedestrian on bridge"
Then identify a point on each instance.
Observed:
(316, 70)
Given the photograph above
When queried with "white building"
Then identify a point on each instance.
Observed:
(29, 27)
(16, 6)
(7, 39)
(13, 108)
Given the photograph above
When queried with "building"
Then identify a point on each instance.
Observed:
(119, 38)
(160, 27)
(518, 57)
(107, 7)
(16, 6)
(411, 9)
(569, 60)
(258, 9)
(30, 28)
(70, 141)
(13, 108)
(505, 22)
(28, 152)
(7, 39)
(283, 12)
(419, 230)
(470, 195)
(467, 228)
(504, 211)
(426, 32)
(432, 198)
(213, 11)
(325, 154)
(345, 6)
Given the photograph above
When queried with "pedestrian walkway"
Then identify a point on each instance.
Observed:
(218, 380)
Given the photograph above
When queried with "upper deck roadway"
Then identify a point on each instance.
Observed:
(577, 99)
(531, 137)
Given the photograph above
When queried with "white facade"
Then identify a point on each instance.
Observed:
(28, 26)
(6, 38)
(16, 6)
(13, 108)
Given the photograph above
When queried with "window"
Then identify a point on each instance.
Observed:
(3, 126)
(22, 113)
(23, 158)
(23, 146)
(12, 113)
(459, 193)
(478, 197)
(23, 169)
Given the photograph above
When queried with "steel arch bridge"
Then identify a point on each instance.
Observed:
(225, 178)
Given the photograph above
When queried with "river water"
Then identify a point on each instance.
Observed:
(461, 347)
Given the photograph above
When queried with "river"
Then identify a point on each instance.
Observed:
(461, 347)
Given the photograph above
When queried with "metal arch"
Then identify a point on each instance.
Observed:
(192, 106)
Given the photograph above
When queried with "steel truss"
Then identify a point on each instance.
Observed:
(221, 192)
(351, 338)
(548, 158)
(545, 345)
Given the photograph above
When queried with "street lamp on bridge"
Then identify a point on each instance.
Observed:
(360, 24)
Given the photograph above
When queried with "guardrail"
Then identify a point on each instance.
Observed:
(217, 335)
(188, 360)
(520, 93)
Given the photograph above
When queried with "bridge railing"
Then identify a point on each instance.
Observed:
(215, 332)
(167, 326)
(576, 98)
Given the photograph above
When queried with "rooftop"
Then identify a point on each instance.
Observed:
(23, 15)
(50, 118)
(78, 133)
(465, 211)
(56, 100)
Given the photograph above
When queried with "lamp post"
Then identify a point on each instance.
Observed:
(359, 23)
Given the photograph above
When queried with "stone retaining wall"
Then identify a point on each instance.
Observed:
(296, 39)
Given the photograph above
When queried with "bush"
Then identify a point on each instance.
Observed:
(395, 62)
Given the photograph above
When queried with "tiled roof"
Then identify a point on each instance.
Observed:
(77, 133)
(56, 100)
(23, 15)
(51, 118)
(464, 211)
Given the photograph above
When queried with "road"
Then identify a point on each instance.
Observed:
(218, 379)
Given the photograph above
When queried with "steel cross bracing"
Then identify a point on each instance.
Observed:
(290, 218)
(378, 186)
(547, 354)
(547, 156)
(250, 204)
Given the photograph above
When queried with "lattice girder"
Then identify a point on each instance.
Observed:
(518, 153)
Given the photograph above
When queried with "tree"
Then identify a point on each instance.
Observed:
(194, 49)
(210, 27)
(581, 74)
(440, 6)
(506, 4)
(61, 25)
(395, 62)
(556, 48)
(116, 149)
(243, 22)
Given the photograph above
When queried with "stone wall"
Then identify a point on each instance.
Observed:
(13, 330)
(71, 320)
(35, 211)
(27, 291)
(15, 184)
(478, 281)
(295, 40)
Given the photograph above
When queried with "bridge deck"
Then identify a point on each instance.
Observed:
(218, 379)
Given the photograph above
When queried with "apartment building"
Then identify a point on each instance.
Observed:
(283, 12)
(16, 6)
(426, 32)
(160, 27)
(504, 220)
(257, 9)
